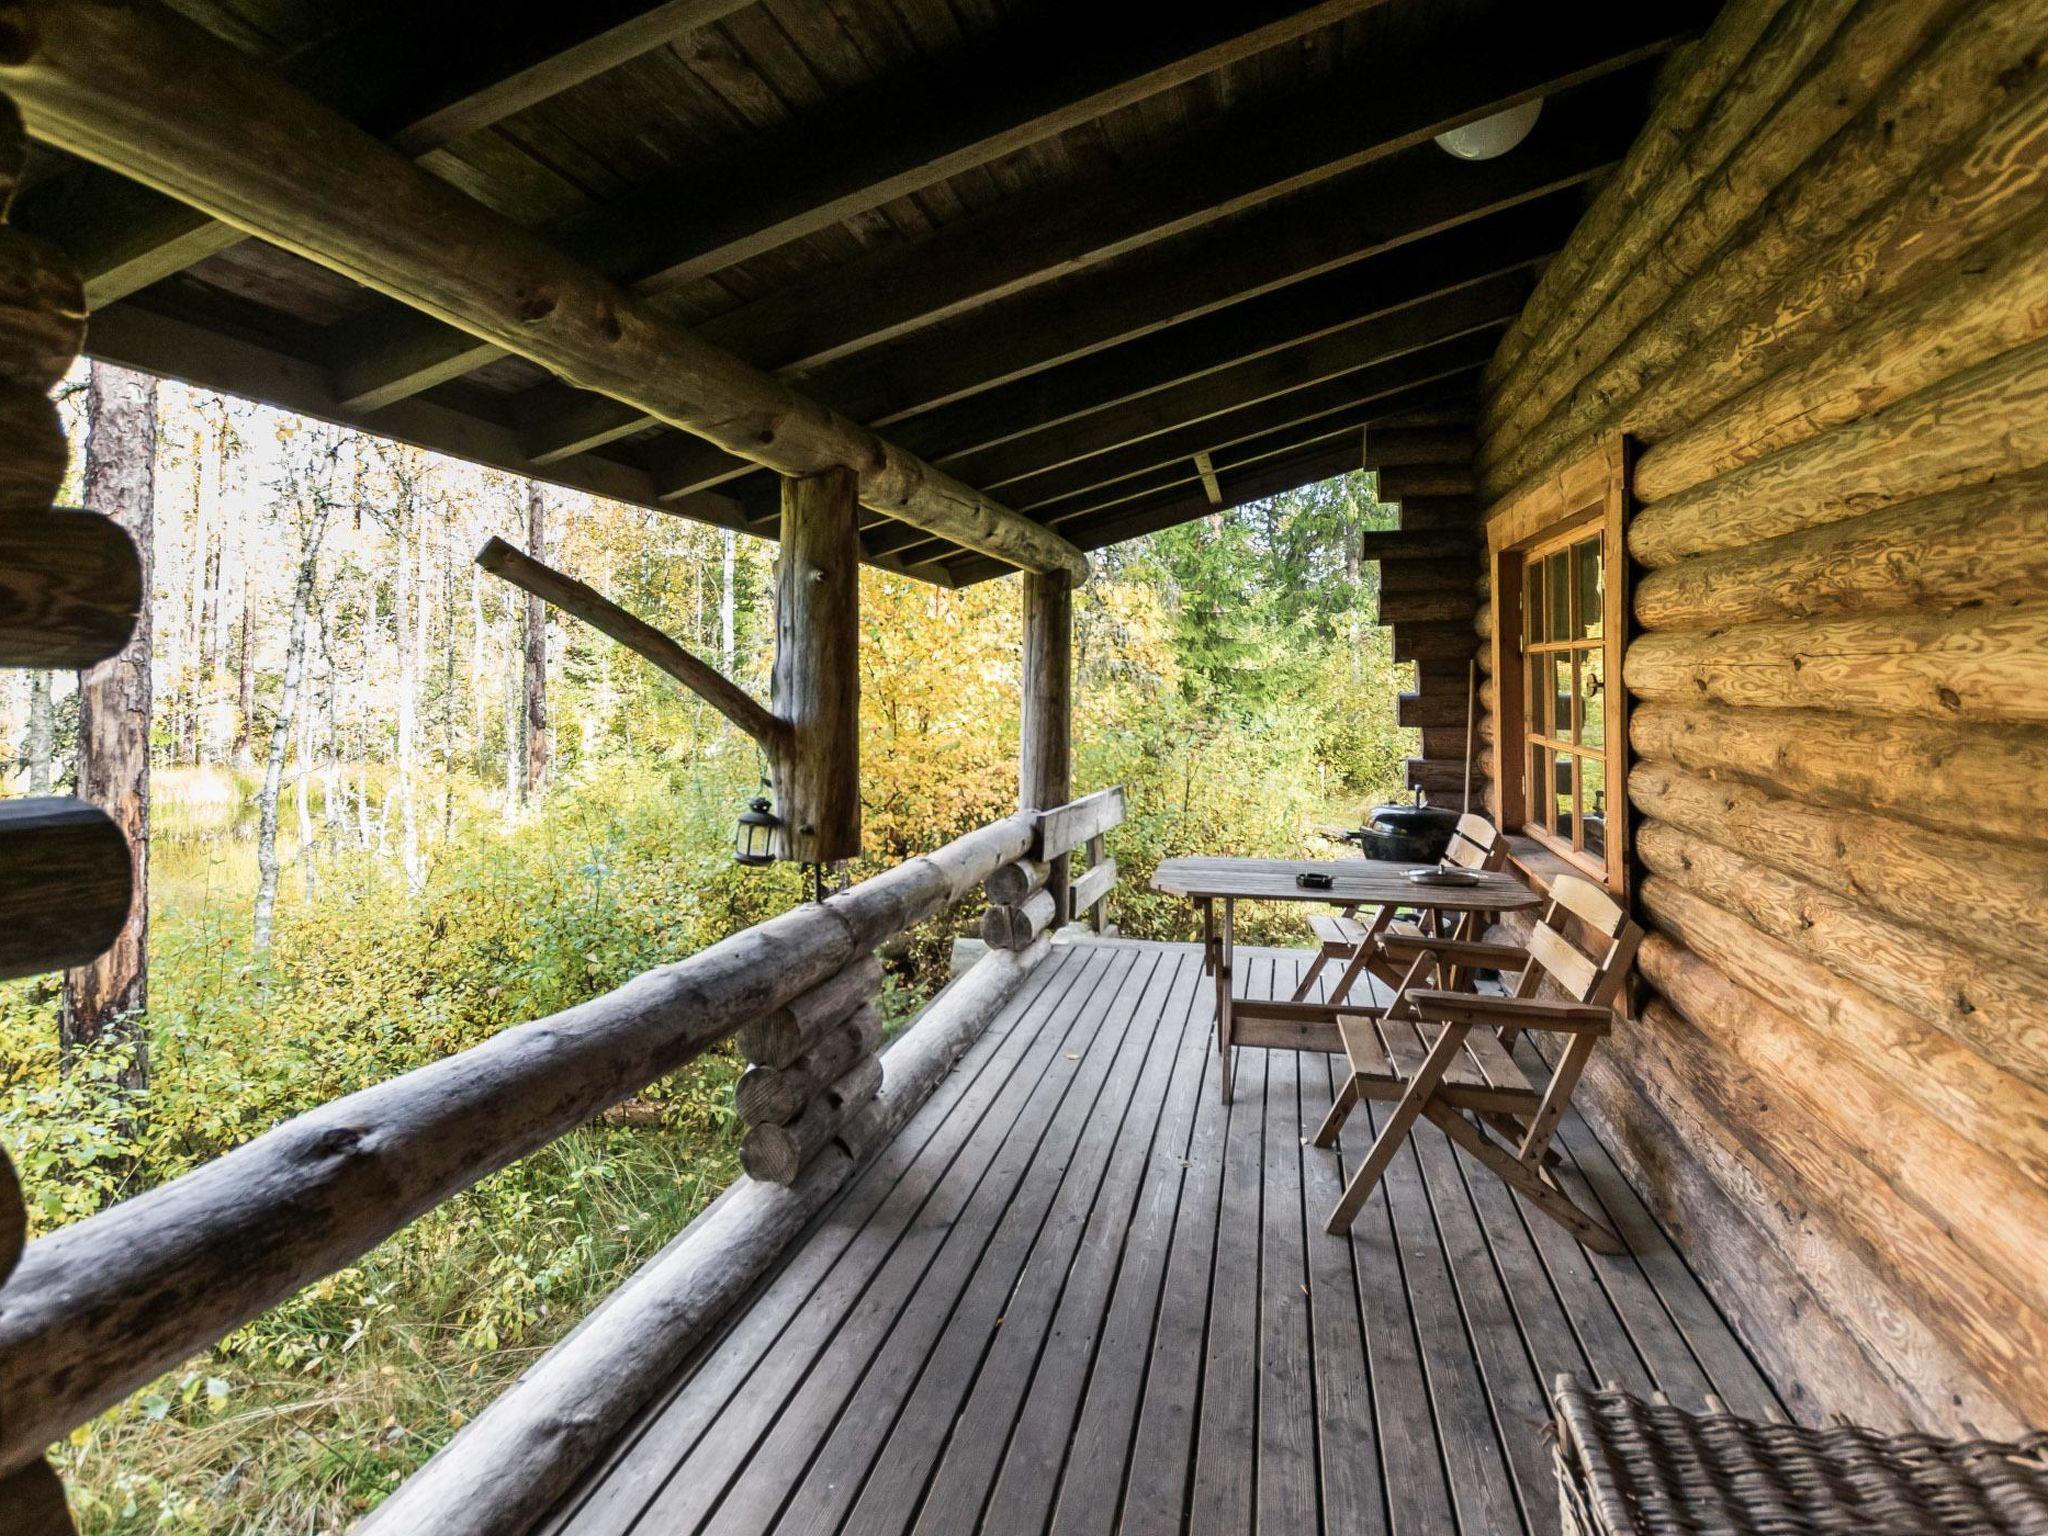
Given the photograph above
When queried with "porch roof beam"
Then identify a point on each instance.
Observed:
(1368, 212)
(1010, 91)
(463, 65)
(143, 91)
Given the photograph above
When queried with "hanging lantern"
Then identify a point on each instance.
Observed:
(753, 843)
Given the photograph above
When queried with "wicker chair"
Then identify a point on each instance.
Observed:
(1630, 1468)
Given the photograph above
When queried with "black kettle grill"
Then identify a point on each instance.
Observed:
(1407, 834)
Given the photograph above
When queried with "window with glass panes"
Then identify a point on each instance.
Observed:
(1564, 654)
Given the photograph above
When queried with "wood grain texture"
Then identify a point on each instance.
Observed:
(815, 686)
(70, 588)
(1977, 780)
(65, 884)
(1986, 421)
(1976, 665)
(42, 311)
(778, 1038)
(1980, 546)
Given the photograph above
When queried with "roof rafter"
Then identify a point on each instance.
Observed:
(1410, 197)
(1246, 160)
(147, 93)
(1009, 91)
(505, 55)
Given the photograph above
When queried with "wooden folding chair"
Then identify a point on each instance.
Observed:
(1444, 1056)
(1342, 939)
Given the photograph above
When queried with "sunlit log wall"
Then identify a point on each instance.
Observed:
(1816, 295)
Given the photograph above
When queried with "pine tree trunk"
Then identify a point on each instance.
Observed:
(105, 1002)
(535, 751)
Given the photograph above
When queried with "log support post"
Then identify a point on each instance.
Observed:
(815, 691)
(1044, 750)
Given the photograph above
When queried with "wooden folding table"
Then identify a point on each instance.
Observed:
(1378, 883)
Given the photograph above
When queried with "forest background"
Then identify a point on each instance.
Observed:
(378, 836)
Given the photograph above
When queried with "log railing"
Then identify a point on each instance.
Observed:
(99, 1308)
(1023, 902)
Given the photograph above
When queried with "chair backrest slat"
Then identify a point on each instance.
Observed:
(1587, 902)
(1475, 844)
(1562, 963)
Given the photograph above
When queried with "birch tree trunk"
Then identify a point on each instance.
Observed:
(314, 506)
(726, 646)
(42, 733)
(105, 1002)
(405, 615)
(536, 655)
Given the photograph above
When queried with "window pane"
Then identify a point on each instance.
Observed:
(1590, 575)
(1539, 696)
(1558, 669)
(1561, 797)
(1559, 597)
(1592, 698)
(1532, 601)
(1593, 795)
(1539, 773)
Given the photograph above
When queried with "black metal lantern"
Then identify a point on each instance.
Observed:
(753, 843)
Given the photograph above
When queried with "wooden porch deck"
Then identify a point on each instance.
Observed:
(1078, 1295)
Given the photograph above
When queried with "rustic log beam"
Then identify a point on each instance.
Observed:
(815, 689)
(1904, 872)
(1392, 544)
(1973, 665)
(33, 453)
(1986, 421)
(1014, 927)
(1045, 724)
(1975, 780)
(1700, 274)
(778, 1038)
(1997, 1111)
(489, 61)
(70, 587)
(153, 96)
(1692, 89)
(1810, 73)
(1992, 1008)
(1014, 882)
(42, 311)
(777, 1095)
(99, 1307)
(1979, 545)
(776, 1154)
(507, 1467)
(65, 884)
(637, 635)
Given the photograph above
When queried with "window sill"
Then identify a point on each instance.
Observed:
(1539, 865)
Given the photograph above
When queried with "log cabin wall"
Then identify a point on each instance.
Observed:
(1815, 296)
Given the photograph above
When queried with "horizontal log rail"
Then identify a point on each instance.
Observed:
(99, 1308)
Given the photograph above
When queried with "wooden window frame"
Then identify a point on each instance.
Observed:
(1589, 495)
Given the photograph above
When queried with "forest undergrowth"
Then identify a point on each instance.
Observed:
(1227, 678)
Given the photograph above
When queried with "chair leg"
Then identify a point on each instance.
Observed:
(1308, 977)
(1400, 1120)
(1531, 1183)
(1333, 1122)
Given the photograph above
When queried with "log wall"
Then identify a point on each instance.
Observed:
(1816, 296)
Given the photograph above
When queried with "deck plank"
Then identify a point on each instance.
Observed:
(1080, 1295)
